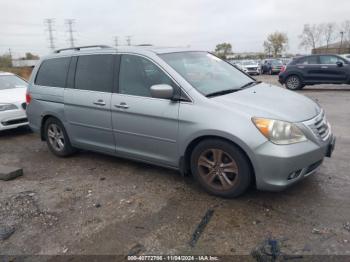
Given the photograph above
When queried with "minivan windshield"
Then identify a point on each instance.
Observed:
(207, 73)
(11, 81)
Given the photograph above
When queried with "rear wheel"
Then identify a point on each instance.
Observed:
(57, 138)
(221, 168)
(293, 82)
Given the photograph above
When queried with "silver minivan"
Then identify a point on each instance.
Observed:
(179, 108)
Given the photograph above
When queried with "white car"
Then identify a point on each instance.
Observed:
(12, 101)
(346, 56)
(251, 67)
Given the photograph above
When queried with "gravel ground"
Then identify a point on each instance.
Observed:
(96, 204)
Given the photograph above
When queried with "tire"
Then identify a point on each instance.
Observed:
(57, 139)
(221, 168)
(294, 82)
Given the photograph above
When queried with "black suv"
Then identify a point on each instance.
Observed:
(315, 69)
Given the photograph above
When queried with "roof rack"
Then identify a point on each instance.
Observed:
(78, 48)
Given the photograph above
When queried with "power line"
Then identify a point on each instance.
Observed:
(50, 23)
(71, 39)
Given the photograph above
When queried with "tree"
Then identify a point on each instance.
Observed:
(275, 44)
(345, 28)
(223, 50)
(30, 56)
(311, 36)
(5, 61)
(329, 32)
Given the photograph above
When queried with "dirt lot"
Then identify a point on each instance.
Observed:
(97, 204)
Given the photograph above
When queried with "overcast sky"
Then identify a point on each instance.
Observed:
(195, 23)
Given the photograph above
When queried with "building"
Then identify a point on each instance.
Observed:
(335, 48)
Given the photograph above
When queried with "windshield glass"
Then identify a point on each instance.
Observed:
(246, 63)
(205, 72)
(11, 81)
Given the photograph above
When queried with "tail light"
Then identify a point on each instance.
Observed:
(28, 98)
(283, 68)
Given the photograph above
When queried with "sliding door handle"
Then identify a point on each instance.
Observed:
(122, 105)
(100, 102)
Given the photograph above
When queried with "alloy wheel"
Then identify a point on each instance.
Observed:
(218, 169)
(56, 137)
(293, 82)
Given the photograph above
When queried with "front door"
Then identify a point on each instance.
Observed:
(88, 103)
(145, 128)
(330, 71)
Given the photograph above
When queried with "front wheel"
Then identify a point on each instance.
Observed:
(293, 82)
(57, 138)
(221, 168)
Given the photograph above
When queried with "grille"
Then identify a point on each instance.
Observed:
(14, 122)
(321, 127)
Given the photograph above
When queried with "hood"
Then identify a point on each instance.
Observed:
(13, 95)
(268, 101)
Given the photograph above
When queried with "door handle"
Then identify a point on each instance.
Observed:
(122, 105)
(324, 67)
(100, 102)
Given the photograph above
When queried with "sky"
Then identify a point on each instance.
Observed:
(196, 23)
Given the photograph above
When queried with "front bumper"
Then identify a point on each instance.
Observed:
(12, 119)
(278, 167)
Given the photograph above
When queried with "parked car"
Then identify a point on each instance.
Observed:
(12, 101)
(315, 69)
(346, 56)
(182, 109)
(251, 67)
(285, 61)
(271, 66)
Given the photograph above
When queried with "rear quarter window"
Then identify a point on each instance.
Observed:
(53, 72)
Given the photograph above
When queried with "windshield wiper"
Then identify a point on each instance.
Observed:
(228, 91)
(222, 92)
(250, 84)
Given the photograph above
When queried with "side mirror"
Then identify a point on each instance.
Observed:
(339, 63)
(163, 91)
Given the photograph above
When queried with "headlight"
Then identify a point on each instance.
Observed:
(279, 132)
(5, 107)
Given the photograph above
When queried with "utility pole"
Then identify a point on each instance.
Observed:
(128, 39)
(116, 41)
(49, 24)
(71, 39)
(341, 41)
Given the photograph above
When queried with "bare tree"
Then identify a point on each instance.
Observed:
(329, 32)
(345, 28)
(311, 36)
(276, 43)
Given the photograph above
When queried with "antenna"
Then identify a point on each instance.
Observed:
(49, 22)
(70, 30)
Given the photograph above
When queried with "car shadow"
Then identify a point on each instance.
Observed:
(20, 131)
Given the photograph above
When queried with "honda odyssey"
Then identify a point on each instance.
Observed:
(182, 109)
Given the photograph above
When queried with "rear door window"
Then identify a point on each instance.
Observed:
(53, 72)
(308, 60)
(95, 73)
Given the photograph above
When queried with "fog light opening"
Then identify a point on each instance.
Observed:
(294, 175)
